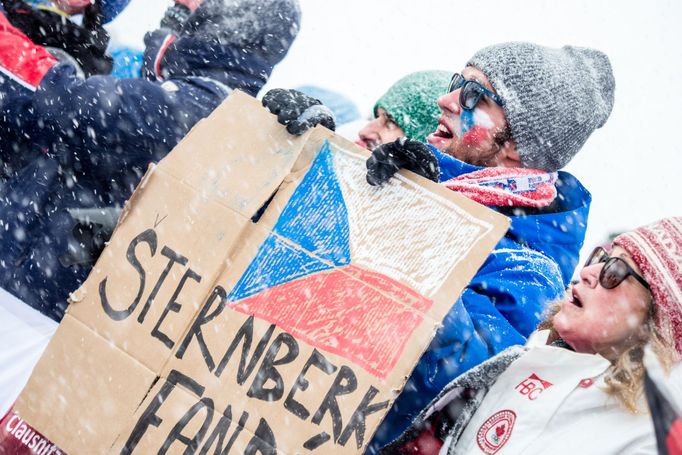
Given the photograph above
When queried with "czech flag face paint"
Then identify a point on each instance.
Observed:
(474, 126)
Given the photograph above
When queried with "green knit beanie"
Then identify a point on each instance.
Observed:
(411, 102)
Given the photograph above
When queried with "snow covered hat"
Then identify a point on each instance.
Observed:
(235, 42)
(554, 98)
(657, 251)
(259, 27)
(411, 102)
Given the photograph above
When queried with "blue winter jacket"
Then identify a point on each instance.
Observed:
(83, 144)
(530, 267)
(70, 143)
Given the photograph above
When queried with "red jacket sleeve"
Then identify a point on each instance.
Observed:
(20, 59)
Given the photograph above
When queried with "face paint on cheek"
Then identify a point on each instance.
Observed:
(466, 122)
(475, 135)
(478, 125)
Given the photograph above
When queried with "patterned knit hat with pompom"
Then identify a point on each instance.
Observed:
(657, 251)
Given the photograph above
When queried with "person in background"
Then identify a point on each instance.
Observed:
(577, 386)
(72, 148)
(663, 391)
(408, 108)
(83, 44)
(127, 62)
(344, 109)
(515, 116)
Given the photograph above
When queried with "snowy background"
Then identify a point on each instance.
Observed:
(359, 48)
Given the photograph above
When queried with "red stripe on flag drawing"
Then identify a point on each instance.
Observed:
(346, 311)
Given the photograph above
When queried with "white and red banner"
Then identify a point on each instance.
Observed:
(24, 333)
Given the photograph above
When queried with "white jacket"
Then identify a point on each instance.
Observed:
(552, 401)
(535, 399)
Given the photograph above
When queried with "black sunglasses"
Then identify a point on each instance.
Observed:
(615, 270)
(471, 92)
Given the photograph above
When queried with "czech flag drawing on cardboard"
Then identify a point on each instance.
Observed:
(366, 286)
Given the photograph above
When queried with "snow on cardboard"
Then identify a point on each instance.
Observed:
(199, 329)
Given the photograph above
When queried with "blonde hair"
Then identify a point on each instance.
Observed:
(625, 377)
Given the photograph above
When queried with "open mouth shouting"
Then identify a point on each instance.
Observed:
(443, 133)
(574, 298)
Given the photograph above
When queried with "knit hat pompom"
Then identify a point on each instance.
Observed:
(412, 102)
(657, 251)
(554, 98)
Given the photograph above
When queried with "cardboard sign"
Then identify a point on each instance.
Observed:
(200, 331)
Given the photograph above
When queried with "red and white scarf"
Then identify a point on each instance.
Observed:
(500, 186)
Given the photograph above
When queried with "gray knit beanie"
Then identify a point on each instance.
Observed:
(554, 98)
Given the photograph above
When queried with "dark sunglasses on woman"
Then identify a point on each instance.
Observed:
(615, 269)
(471, 92)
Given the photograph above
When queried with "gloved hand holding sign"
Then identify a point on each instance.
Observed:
(403, 153)
(298, 111)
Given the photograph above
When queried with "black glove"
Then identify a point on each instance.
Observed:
(403, 153)
(175, 18)
(86, 43)
(298, 111)
(92, 229)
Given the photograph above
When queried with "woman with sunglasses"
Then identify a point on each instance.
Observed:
(577, 385)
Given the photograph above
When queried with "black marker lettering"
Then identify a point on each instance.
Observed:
(263, 441)
(344, 383)
(245, 332)
(268, 370)
(149, 237)
(356, 424)
(149, 416)
(192, 443)
(204, 318)
(220, 431)
(173, 306)
(319, 361)
(173, 258)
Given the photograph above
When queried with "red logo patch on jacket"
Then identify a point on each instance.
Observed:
(532, 386)
(496, 431)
